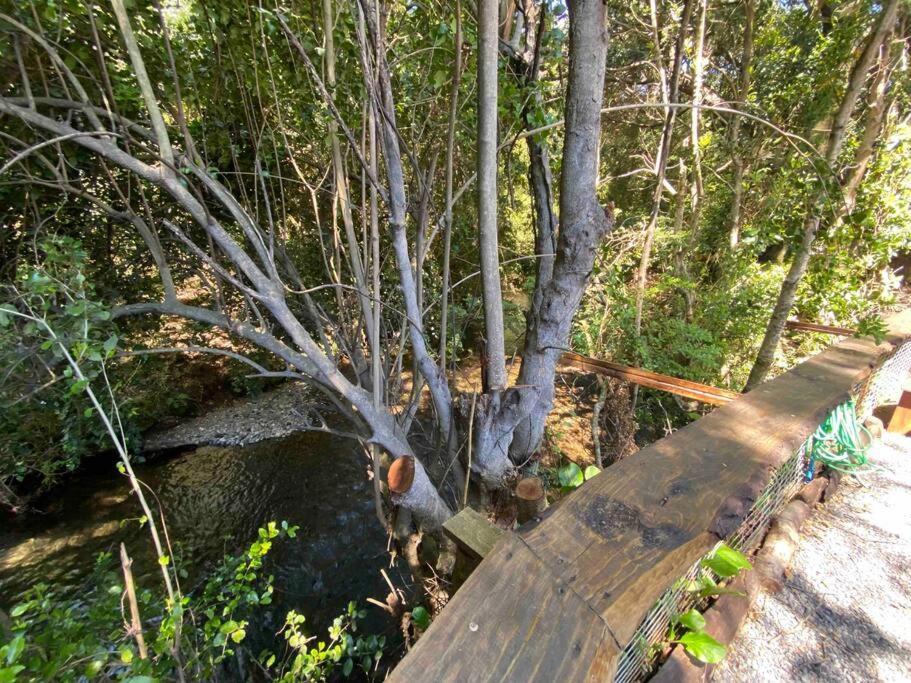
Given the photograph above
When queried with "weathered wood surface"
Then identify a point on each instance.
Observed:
(473, 533)
(653, 380)
(560, 599)
(823, 329)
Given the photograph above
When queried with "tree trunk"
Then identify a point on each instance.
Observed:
(664, 149)
(583, 221)
(873, 128)
(766, 356)
(743, 93)
(487, 193)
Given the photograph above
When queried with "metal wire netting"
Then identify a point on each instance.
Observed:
(883, 385)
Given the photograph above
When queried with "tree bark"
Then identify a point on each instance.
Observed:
(664, 149)
(450, 158)
(583, 221)
(873, 128)
(743, 93)
(487, 193)
(766, 356)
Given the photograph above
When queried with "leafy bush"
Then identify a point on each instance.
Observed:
(54, 636)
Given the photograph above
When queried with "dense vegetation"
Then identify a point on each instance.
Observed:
(366, 196)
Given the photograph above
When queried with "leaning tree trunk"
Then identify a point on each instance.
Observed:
(583, 221)
(873, 128)
(766, 355)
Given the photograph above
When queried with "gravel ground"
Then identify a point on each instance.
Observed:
(845, 612)
(278, 412)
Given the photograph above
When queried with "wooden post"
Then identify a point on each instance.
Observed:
(530, 499)
(136, 623)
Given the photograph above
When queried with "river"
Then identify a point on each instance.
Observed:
(214, 500)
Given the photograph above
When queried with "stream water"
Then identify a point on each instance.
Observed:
(214, 500)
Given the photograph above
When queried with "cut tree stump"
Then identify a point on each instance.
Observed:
(530, 499)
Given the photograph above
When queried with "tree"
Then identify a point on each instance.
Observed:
(235, 237)
(833, 145)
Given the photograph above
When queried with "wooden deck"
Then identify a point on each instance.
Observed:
(559, 599)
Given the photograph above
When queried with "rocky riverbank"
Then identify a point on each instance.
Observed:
(275, 413)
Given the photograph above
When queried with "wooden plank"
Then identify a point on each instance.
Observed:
(561, 598)
(653, 380)
(473, 533)
(512, 622)
(823, 329)
(900, 422)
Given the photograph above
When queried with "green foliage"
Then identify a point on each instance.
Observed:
(420, 616)
(59, 637)
(49, 425)
(571, 476)
(726, 562)
(703, 647)
(688, 628)
(340, 654)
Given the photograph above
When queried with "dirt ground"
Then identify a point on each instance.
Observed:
(845, 612)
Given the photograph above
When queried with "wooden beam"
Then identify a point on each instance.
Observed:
(473, 533)
(560, 599)
(653, 380)
(823, 329)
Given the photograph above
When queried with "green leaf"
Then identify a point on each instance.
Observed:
(347, 667)
(77, 386)
(8, 674)
(110, 344)
(591, 471)
(421, 617)
(692, 620)
(703, 647)
(19, 609)
(570, 475)
(726, 562)
(14, 648)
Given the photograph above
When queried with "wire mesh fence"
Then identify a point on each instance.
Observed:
(883, 385)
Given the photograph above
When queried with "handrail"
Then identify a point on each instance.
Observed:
(823, 329)
(653, 380)
(560, 599)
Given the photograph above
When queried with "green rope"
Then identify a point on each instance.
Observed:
(841, 442)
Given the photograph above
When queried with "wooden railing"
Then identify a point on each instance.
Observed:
(560, 598)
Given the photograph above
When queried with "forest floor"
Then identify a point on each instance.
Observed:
(845, 612)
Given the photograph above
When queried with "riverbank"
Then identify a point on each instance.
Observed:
(271, 414)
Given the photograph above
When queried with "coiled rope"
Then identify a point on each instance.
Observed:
(840, 442)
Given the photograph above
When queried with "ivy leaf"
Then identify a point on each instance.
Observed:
(703, 647)
(692, 620)
(570, 475)
(726, 562)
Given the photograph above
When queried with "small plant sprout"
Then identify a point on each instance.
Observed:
(688, 628)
